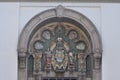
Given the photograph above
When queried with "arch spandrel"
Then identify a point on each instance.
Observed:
(61, 12)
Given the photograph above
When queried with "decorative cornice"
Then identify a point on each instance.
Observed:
(97, 1)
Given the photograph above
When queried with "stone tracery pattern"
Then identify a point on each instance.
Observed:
(60, 47)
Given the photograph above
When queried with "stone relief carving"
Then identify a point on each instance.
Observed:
(97, 60)
(38, 57)
(60, 48)
(22, 63)
(59, 51)
(59, 11)
(22, 60)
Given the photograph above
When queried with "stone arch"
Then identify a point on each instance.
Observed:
(60, 12)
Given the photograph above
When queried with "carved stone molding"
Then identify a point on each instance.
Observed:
(61, 12)
(22, 62)
(22, 59)
(97, 60)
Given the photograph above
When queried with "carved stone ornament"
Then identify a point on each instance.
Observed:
(22, 59)
(60, 11)
(97, 60)
(22, 62)
(58, 41)
(38, 57)
(81, 58)
(59, 59)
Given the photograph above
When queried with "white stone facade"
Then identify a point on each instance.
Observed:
(107, 22)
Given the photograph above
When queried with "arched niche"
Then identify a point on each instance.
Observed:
(62, 16)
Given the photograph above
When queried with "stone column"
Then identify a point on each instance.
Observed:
(38, 76)
(82, 66)
(96, 74)
(97, 60)
(97, 66)
(22, 72)
(82, 75)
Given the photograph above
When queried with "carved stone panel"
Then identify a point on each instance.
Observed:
(60, 42)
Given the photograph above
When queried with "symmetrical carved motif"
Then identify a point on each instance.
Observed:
(60, 41)
(59, 59)
(38, 57)
(59, 47)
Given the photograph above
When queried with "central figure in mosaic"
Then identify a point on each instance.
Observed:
(59, 58)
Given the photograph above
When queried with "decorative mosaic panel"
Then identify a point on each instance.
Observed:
(59, 43)
(59, 47)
